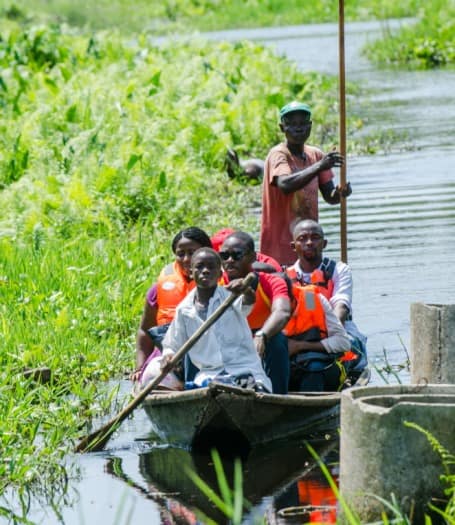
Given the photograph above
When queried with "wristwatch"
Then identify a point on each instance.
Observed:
(260, 333)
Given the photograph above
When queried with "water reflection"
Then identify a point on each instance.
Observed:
(309, 499)
(43, 498)
(266, 472)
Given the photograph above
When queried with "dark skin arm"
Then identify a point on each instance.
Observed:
(144, 344)
(341, 311)
(276, 321)
(299, 179)
(296, 347)
(258, 266)
(279, 316)
(332, 194)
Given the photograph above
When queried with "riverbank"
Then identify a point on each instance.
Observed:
(180, 16)
(74, 301)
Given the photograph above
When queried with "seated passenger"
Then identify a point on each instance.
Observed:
(271, 310)
(263, 262)
(173, 284)
(317, 343)
(227, 348)
(332, 279)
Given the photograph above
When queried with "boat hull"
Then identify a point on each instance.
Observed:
(227, 416)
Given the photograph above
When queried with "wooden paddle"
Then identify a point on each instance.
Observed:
(97, 440)
(343, 207)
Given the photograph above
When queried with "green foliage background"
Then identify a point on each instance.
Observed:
(99, 133)
(109, 145)
(165, 16)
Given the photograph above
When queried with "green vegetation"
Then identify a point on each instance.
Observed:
(230, 501)
(165, 16)
(108, 147)
(428, 43)
(448, 476)
(98, 134)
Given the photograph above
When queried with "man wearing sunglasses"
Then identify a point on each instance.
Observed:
(293, 174)
(271, 311)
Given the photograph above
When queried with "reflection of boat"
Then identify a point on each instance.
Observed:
(266, 470)
(226, 416)
(309, 499)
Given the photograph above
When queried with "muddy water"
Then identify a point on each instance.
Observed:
(401, 246)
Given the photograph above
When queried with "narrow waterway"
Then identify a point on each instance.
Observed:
(401, 215)
(401, 246)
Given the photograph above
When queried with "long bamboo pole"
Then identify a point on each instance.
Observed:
(342, 94)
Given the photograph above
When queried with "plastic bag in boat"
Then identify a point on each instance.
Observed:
(153, 369)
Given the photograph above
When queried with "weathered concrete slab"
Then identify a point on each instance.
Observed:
(432, 343)
(379, 455)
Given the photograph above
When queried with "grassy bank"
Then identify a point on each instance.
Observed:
(99, 133)
(207, 15)
(428, 43)
(108, 147)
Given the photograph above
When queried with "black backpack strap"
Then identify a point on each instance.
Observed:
(328, 267)
(288, 282)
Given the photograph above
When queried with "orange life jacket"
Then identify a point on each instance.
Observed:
(172, 287)
(308, 315)
(321, 282)
(261, 309)
(319, 497)
(321, 278)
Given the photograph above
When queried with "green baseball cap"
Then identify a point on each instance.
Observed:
(294, 106)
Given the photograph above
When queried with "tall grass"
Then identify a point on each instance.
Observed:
(165, 16)
(426, 44)
(99, 133)
(108, 147)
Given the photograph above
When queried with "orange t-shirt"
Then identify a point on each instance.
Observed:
(280, 212)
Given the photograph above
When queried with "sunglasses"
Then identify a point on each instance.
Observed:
(235, 255)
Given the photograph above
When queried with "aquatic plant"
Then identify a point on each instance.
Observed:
(386, 369)
(229, 501)
(102, 133)
(447, 477)
(179, 16)
(427, 43)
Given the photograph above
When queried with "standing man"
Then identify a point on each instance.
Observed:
(271, 310)
(293, 174)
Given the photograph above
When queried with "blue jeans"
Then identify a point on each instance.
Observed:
(276, 363)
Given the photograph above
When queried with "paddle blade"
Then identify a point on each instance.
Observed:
(97, 440)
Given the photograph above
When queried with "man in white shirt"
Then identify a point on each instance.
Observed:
(333, 279)
(227, 348)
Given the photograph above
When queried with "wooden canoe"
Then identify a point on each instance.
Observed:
(225, 416)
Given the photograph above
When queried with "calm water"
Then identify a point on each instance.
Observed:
(401, 246)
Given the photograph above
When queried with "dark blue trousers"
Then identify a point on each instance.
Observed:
(276, 363)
